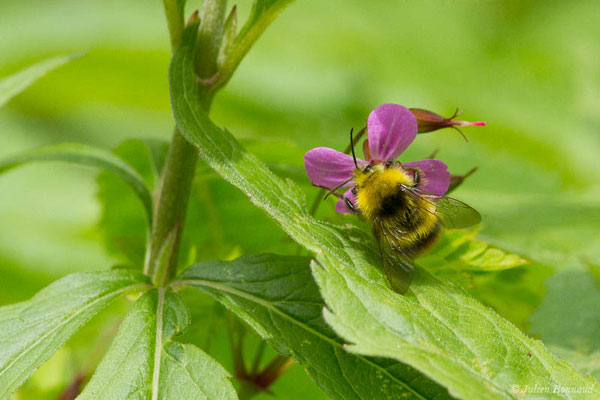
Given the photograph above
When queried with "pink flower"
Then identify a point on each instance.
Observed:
(391, 128)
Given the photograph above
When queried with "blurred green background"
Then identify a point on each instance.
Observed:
(530, 69)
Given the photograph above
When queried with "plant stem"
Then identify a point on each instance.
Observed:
(273, 371)
(178, 174)
(236, 332)
(169, 217)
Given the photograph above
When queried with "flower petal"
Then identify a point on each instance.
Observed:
(391, 128)
(328, 168)
(435, 177)
(341, 206)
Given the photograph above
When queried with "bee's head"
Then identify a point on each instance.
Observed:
(386, 174)
(371, 168)
(362, 175)
(374, 166)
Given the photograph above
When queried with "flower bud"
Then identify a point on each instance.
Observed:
(429, 121)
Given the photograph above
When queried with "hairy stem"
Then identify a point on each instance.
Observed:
(180, 165)
(169, 217)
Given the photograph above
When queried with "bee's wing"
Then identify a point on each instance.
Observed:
(399, 271)
(397, 266)
(451, 212)
(456, 214)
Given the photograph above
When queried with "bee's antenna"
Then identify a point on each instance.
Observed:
(352, 147)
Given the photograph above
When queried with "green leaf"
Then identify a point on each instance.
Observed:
(568, 315)
(595, 271)
(233, 51)
(588, 363)
(31, 331)
(144, 362)
(569, 320)
(514, 293)
(122, 222)
(436, 327)
(278, 297)
(86, 156)
(460, 251)
(12, 85)
(513, 286)
(214, 338)
(212, 227)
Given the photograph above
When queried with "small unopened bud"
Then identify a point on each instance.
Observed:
(429, 121)
(193, 18)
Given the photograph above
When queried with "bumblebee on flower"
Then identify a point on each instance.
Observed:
(404, 202)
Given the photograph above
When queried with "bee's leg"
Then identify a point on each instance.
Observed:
(336, 194)
(416, 177)
(416, 173)
(349, 204)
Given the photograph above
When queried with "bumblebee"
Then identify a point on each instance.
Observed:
(405, 219)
